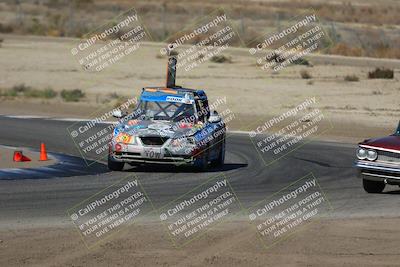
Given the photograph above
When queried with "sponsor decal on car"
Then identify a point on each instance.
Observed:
(133, 122)
(185, 100)
(123, 138)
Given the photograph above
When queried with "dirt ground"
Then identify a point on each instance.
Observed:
(346, 242)
(357, 110)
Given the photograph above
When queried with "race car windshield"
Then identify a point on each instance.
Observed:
(169, 111)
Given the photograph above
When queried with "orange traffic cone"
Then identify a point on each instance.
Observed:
(19, 157)
(43, 153)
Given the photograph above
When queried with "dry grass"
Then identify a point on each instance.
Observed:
(346, 50)
(375, 25)
(21, 90)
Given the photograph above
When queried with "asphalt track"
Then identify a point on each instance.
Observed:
(27, 201)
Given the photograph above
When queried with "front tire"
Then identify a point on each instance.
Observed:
(221, 156)
(115, 165)
(201, 162)
(373, 186)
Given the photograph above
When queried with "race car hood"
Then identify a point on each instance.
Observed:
(157, 128)
(389, 142)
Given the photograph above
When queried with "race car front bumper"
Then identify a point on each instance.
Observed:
(135, 157)
(165, 153)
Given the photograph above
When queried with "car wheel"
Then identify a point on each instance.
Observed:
(201, 162)
(221, 155)
(373, 186)
(114, 165)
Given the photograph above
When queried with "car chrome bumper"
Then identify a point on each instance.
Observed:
(378, 170)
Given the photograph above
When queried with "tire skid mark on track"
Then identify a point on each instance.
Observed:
(320, 163)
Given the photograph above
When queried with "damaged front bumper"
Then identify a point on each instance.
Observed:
(160, 154)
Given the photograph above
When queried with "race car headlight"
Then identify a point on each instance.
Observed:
(175, 143)
(180, 142)
(372, 155)
(362, 153)
(125, 138)
(133, 140)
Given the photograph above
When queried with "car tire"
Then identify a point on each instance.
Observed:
(114, 165)
(221, 156)
(373, 186)
(201, 162)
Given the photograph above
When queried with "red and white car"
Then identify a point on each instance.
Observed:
(379, 162)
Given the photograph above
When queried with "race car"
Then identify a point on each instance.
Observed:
(170, 125)
(379, 162)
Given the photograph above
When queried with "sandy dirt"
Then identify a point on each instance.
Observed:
(357, 110)
(346, 242)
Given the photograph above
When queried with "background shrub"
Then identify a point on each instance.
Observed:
(381, 73)
(72, 95)
(305, 74)
(351, 78)
(46, 93)
(221, 59)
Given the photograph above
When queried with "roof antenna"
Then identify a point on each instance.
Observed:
(171, 70)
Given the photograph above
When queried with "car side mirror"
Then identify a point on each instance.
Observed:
(117, 113)
(214, 117)
(398, 129)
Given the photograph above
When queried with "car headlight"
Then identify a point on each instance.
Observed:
(362, 153)
(175, 143)
(125, 138)
(369, 154)
(182, 142)
(133, 140)
(372, 155)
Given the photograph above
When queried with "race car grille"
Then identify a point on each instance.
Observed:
(153, 140)
(388, 156)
